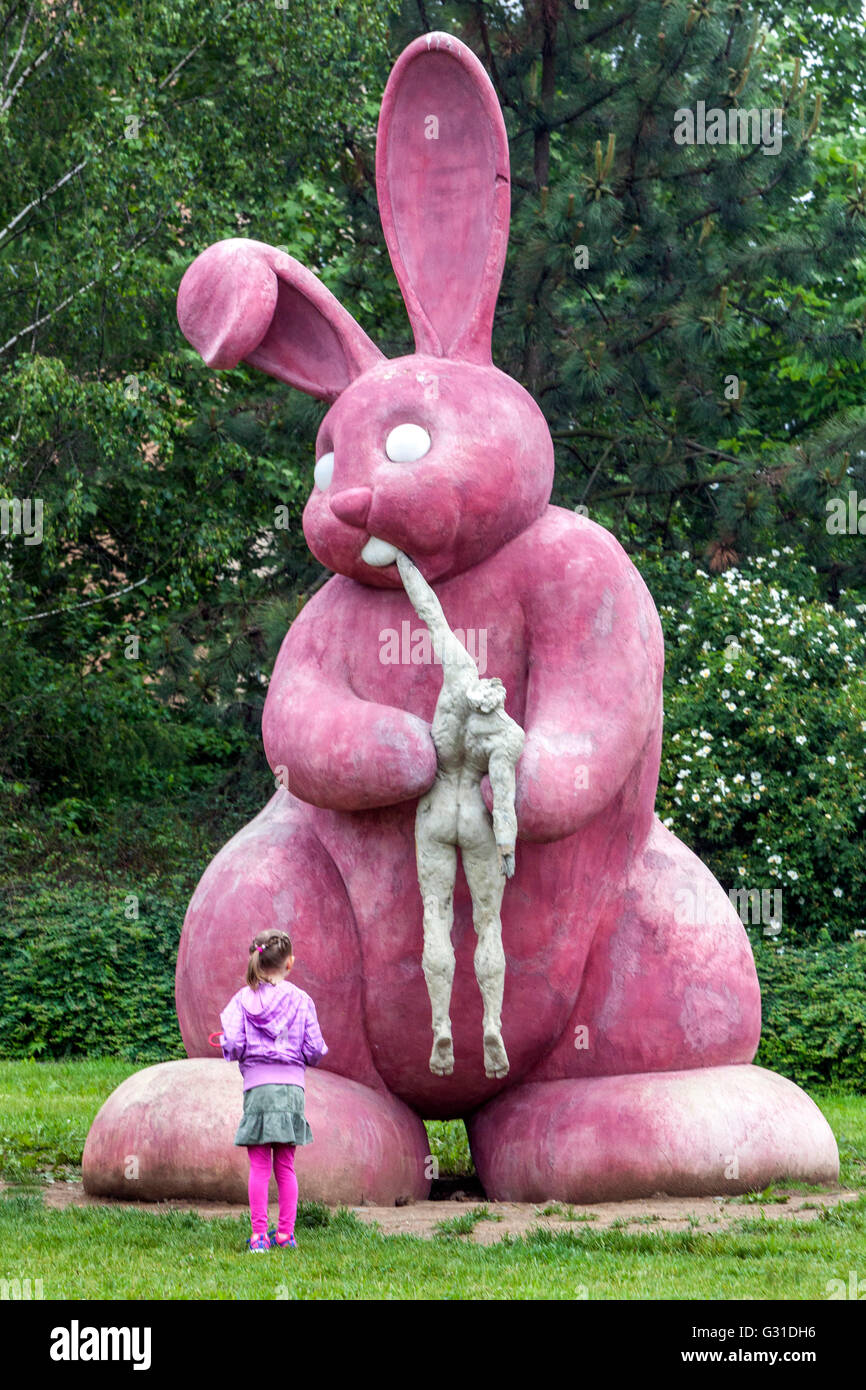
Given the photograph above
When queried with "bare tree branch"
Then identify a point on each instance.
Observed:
(82, 164)
(37, 62)
(166, 81)
(42, 197)
(88, 603)
(19, 50)
(82, 289)
(10, 15)
(37, 323)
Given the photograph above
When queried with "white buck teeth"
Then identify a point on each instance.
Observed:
(379, 553)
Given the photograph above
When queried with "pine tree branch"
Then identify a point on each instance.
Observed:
(614, 23)
(664, 322)
(504, 98)
(746, 198)
(583, 434)
(690, 484)
(597, 306)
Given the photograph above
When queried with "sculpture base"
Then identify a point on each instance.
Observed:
(168, 1131)
(707, 1132)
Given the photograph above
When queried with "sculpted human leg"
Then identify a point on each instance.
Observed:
(437, 869)
(486, 884)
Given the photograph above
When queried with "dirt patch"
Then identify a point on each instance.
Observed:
(651, 1214)
(518, 1218)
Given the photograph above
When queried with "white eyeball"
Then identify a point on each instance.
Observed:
(324, 471)
(407, 443)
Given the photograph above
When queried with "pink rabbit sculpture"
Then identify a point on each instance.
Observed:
(632, 1009)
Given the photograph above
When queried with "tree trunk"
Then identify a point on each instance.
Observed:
(548, 15)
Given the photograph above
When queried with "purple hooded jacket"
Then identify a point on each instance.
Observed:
(273, 1033)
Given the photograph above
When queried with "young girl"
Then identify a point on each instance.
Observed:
(270, 1028)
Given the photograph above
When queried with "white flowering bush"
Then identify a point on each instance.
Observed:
(764, 760)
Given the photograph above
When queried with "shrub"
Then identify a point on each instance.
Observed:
(814, 1012)
(79, 977)
(764, 764)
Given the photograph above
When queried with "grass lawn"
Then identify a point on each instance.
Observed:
(110, 1252)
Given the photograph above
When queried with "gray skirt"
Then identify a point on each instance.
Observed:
(274, 1115)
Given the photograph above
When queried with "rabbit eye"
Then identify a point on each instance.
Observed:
(407, 443)
(324, 471)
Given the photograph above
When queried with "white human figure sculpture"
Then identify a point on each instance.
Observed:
(473, 735)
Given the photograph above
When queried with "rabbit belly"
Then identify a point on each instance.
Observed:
(670, 982)
(549, 915)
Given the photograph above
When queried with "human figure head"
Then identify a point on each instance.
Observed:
(486, 695)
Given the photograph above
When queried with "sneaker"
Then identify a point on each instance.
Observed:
(288, 1244)
(258, 1244)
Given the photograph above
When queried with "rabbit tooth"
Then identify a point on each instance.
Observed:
(379, 553)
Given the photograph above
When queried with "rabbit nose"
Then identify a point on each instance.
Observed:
(352, 505)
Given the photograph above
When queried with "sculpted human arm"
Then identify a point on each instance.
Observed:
(455, 659)
(501, 772)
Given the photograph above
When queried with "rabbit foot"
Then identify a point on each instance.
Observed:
(698, 1132)
(495, 1057)
(180, 1118)
(442, 1056)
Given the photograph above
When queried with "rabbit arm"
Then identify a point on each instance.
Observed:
(594, 690)
(330, 747)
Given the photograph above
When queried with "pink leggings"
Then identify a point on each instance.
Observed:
(287, 1186)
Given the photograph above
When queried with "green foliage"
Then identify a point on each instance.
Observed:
(172, 553)
(136, 641)
(449, 1146)
(706, 264)
(48, 1108)
(173, 494)
(146, 1255)
(764, 767)
(814, 1013)
(77, 976)
(465, 1223)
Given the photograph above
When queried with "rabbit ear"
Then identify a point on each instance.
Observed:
(242, 300)
(442, 177)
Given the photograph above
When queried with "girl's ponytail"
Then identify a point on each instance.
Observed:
(269, 950)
